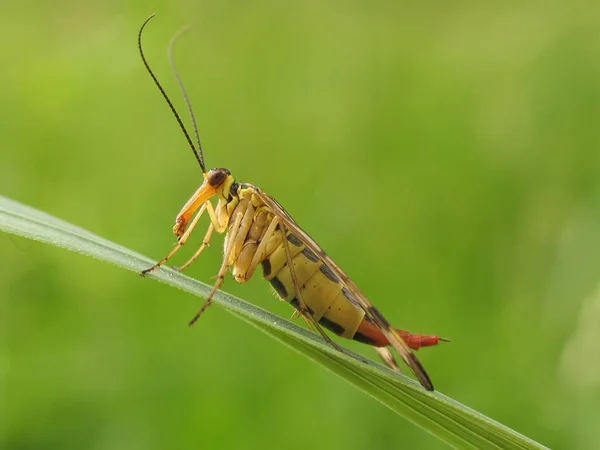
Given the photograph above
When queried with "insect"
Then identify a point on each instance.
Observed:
(258, 231)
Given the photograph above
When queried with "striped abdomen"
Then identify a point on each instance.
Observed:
(325, 297)
(327, 300)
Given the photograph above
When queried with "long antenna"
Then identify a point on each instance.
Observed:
(197, 152)
(184, 92)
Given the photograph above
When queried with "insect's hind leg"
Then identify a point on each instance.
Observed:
(308, 323)
(302, 308)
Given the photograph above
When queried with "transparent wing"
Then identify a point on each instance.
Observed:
(371, 312)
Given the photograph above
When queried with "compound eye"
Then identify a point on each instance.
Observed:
(216, 177)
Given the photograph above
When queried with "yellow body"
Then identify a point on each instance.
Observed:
(259, 231)
(326, 299)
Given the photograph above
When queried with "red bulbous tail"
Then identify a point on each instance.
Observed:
(368, 333)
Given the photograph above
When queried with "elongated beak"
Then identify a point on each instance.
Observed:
(203, 193)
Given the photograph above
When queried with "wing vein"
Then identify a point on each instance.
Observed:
(372, 313)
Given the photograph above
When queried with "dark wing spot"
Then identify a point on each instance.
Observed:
(266, 266)
(336, 328)
(310, 255)
(378, 316)
(328, 273)
(346, 293)
(294, 240)
(279, 287)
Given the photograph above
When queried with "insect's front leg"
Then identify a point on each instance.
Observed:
(215, 225)
(181, 240)
(205, 243)
(219, 227)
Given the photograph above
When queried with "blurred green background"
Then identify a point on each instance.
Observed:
(446, 156)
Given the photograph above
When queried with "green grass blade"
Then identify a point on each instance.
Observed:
(450, 421)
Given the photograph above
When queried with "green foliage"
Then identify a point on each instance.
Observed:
(445, 156)
(450, 421)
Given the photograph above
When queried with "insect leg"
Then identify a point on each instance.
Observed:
(371, 312)
(260, 250)
(180, 242)
(230, 246)
(301, 305)
(308, 323)
(205, 243)
(219, 228)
